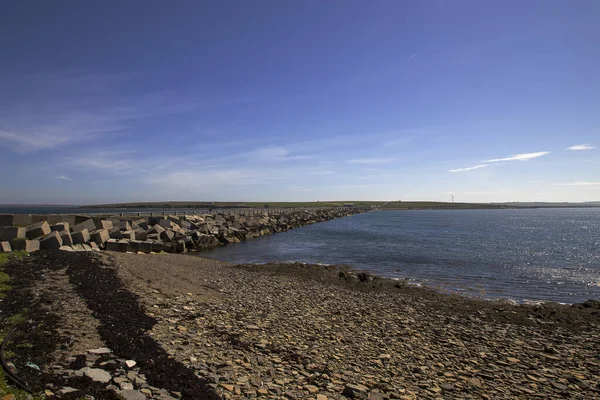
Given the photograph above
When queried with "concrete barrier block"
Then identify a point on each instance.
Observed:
(78, 247)
(6, 219)
(169, 247)
(5, 247)
(12, 232)
(165, 223)
(130, 235)
(83, 236)
(60, 227)
(145, 247)
(99, 236)
(66, 248)
(53, 240)
(86, 247)
(134, 246)
(157, 246)
(140, 234)
(24, 244)
(37, 230)
(56, 218)
(35, 218)
(94, 246)
(115, 233)
(66, 238)
(22, 219)
(102, 223)
(87, 224)
(79, 218)
(125, 226)
(167, 235)
(117, 245)
(156, 229)
(142, 223)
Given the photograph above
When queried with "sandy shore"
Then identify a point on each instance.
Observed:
(199, 327)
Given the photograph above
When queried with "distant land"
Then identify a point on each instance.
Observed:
(388, 205)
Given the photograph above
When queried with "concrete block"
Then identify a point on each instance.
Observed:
(94, 246)
(169, 247)
(80, 218)
(102, 223)
(22, 219)
(83, 236)
(66, 238)
(145, 247)
(117, 245)
(86, 247)
(12, 232)
(53, 240)
(87, 224)
(5, 247)
(124, 226)
(142, 223)
(165, 223)
(6, 219)
(56, 218)
(167, 236)
(24, 244)
(134, 246)
(99, 236)
(156, 229)
(115, 233)
(35, 218)
(153, 236)
(60, 227)
(157, 247)
(37, 230)
(78, 247)
(66, 248)
(130, 235)
(141, 235)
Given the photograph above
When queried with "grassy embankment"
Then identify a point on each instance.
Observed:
(434, 205)
(8, 323)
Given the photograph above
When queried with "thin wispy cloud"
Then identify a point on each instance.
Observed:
(413, 56)
(64, 178)
(326, 172)
(371, 161)
(468, 168)
(519, 157)
(578, 184)
(581, 147)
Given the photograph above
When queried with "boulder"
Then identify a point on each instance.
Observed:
(99, 236)
(12, 232)
(37, 230)
(5, 247)
(117, 245)
(60, 227)
(80, 237)
(53, 240)
(86, 224)
(24, 244)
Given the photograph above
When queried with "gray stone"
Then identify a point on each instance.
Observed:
(97, 375)
(12, 232)
(99, 236)
(132, 395)
(24, 244)
(356, 391)
(81, 237)
(37, 230)
(5, 247)
(53, 240)
(86, 224)
(60, 227)
(66, 238)
(116, 245)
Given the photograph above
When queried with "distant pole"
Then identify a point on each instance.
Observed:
(452, 197)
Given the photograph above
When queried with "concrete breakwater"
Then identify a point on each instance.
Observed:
(152, 233)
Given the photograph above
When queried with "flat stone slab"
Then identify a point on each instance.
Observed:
(12, 232)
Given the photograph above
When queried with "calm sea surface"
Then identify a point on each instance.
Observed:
(530, 254)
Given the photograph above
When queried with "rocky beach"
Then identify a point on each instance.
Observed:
(163, 326)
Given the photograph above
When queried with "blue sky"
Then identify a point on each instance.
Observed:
(306, 100)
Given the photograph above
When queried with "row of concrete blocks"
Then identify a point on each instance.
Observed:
(136, 246)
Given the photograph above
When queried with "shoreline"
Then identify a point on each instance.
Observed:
(200, 327)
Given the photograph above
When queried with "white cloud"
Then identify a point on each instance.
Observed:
(413, 56)
(324, 172)
(64, 178)
(371, 161)
(578, 184)
(468, 168)
(581, 147)
(519, 157)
